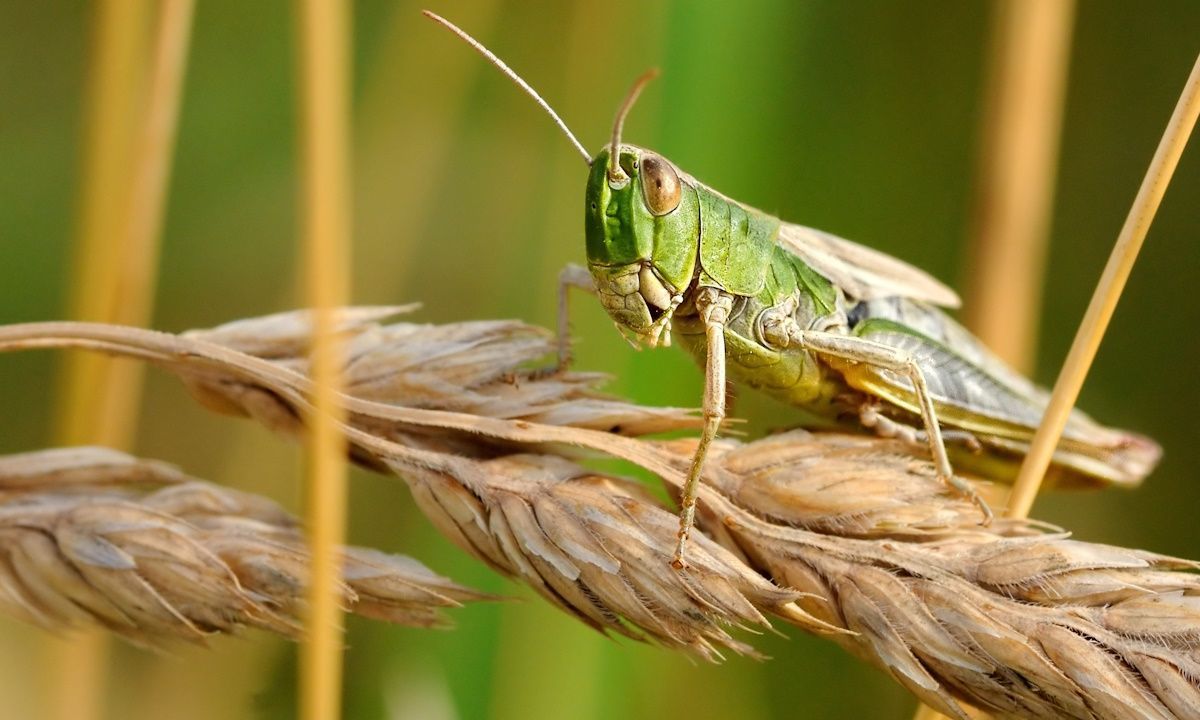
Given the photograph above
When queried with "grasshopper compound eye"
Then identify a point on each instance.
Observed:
(660, 185)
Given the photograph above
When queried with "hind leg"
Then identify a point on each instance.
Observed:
(857, 350)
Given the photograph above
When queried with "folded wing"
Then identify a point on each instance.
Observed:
(974, 391)
(863, 273)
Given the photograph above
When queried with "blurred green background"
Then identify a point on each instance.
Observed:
(861, 118)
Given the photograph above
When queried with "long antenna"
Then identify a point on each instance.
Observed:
(615, 174)
(491, 57)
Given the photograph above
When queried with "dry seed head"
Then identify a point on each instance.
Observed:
(487, 369)
(87, 468)
(181, 562)
(1010, 618)
(845, 485)
(597, 547)
(1021, 623)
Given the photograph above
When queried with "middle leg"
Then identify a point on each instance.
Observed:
(885, 427)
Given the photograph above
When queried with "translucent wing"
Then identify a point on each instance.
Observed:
(863, 273)
(975, 391)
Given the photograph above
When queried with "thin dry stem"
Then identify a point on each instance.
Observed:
(154, 146)
(1031, 42)
(1104, 299)
(131, 133)
(87, 410)
(93, 537)
(324, 39)
(863, 544)
(74, 683)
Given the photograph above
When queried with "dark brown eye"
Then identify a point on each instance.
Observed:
(660, 185)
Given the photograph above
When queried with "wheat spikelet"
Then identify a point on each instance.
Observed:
(485, 368)
(596, 546)
(862, 542)
(90, 536)
(1026, 624)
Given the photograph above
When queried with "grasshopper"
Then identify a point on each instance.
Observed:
(812, 319)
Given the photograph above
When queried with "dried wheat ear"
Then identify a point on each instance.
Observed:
(847, 536)
(91, 536)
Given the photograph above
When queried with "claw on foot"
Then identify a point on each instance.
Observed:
(973, 445)
(988, 515)
(968, 491)
(965, 438)
(677, 560)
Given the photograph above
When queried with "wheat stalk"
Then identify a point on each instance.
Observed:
(93, 537)
(323, 35)
(862, 543)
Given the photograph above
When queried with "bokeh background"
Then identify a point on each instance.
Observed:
(862, 118)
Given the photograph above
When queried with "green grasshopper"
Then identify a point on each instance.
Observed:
(809, 318)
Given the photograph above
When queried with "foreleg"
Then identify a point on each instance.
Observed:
(572, 276)
(714, 307)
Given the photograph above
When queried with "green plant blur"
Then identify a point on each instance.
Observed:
(860, 118)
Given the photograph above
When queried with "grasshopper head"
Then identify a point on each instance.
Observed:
(643, 234)
(643, 217)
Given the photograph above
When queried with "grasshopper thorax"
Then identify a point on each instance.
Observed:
(643, 234)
